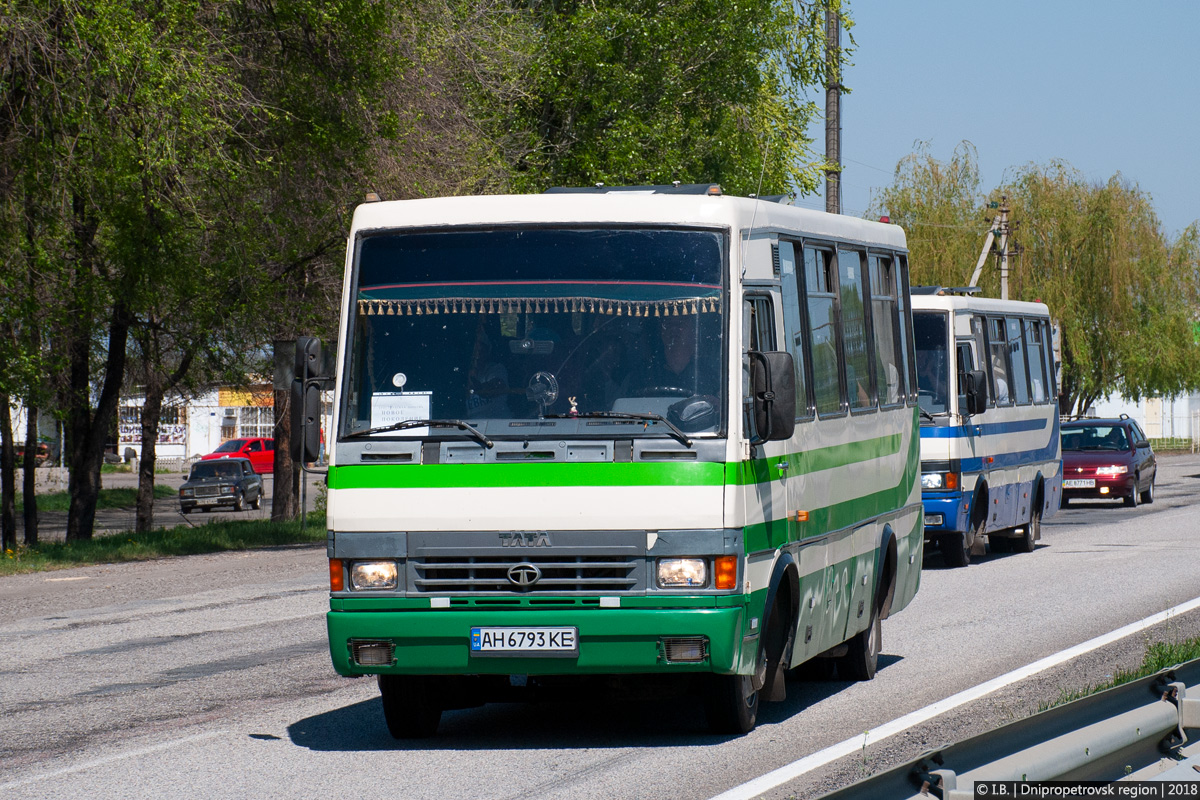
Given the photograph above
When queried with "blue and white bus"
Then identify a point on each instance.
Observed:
(991, 457)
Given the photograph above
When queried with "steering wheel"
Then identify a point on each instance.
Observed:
(663, 391)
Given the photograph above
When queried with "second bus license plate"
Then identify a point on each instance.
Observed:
(1080, 483)
(524, 641)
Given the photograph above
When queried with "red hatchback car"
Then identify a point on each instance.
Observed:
(261, 453)
(1107, 459)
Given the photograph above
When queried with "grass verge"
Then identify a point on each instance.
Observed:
(1158, 656)
(213, 537)
(109, 498)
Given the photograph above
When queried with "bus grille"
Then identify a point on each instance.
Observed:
(554, 574)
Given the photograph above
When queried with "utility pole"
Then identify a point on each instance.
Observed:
(833, 108)
(1001, 229)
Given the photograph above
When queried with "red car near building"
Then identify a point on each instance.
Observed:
(260, 452)
(1107, 459)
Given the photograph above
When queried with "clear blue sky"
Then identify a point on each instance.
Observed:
(1107, 87)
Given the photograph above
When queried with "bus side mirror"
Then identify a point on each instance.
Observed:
(773, 389)
(305, 401)
(975, 383)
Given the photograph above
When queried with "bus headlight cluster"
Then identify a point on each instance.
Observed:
(674, 572)
(939, 480)
(373, 575)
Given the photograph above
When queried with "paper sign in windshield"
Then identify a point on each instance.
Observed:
(388, 408)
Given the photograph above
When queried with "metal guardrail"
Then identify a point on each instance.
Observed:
(1107, 736)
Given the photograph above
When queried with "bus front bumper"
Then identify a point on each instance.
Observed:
(946, 512)
(610, 640)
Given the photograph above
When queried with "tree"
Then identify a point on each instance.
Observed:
(634, 91)
(1124, 298)
(940, 206)
(171, 138)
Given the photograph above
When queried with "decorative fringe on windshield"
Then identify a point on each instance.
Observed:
(561, 305)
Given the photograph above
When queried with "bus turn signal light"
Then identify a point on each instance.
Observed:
(725, 572)
(337, 578)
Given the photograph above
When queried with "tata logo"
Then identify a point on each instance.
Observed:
(525, 539)
(524, 575)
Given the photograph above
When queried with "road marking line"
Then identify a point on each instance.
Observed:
(110, 759)
(778, 777)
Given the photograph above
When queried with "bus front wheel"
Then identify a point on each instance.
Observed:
(410, 706)
(731, 704)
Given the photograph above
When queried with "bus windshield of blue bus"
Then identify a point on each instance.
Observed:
(501, 326)
(932, 339)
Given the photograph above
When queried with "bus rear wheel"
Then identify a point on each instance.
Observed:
(1033, 532)
(862, 654)
(410, 706)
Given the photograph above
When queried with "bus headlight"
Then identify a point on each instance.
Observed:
(367, 575)
(673, 572)
(939, 480)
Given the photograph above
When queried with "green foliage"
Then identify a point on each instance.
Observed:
(212, 537)
(1124, 296)
(940, 205)
(638, 92)
(1096, 255)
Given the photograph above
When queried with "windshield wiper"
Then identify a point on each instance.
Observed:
(426, 423)
(926, 414)
(677, 434)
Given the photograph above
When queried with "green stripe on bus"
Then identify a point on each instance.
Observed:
(763, 470)
(447, 476)
(822, 519)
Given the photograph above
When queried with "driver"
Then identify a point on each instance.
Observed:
(679, 346)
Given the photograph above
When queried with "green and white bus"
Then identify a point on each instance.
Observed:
(653, 431)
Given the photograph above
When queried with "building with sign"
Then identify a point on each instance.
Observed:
(197, 425)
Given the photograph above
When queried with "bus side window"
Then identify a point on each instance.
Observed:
(885, 324)
(965, 363)
(822, 330)
(793, 325)
(998, 361)
(851, 293)
(1037, 360)
(758, 332)
(1016, 354)
(907, 345)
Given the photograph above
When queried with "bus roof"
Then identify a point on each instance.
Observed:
(625, 206)
(960, 302)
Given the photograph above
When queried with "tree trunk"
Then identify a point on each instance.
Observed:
(30, 476)
(8, 479)
(286, 476)
(87, 432)
(151, 414)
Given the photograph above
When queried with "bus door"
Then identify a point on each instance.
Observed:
(766, 489)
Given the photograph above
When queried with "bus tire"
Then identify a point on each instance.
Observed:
(410, 706)
(1033, 532)
(862, 656)
(731, 704)
(955, 550)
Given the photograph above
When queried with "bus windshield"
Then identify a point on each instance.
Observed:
(932, 339)
(498, 327)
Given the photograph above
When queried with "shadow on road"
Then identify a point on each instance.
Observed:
(609, 720)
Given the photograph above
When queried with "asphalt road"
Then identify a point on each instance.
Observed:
(208, 677)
